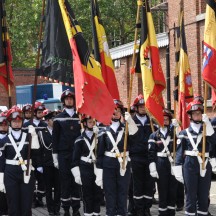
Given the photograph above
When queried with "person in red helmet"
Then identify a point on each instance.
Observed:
(3, 133)
(110, 173)
(27, 112)
(143, 182)
(84, 169)
(13, 165)
(66, 128)
(189, 161)
(39, 125)
(160, 158)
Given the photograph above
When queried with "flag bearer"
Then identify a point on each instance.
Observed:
(189, 157)
(39, 125)
(66, 128)
(111, 175)
(3, 134)
(51, 173)
(84, 166)
(160, 150)
(13, 165)
(143, 182)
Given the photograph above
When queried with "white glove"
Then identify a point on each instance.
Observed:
(153, 170)
(35, 142)
(95, 129)
(132, 127)
(213, 164)
(76, 173)
(175, 123)
(82, 130)
(209, 128)
(31, 130)
(177, 171)
(55, 160)
(99, 177)
(40, 169)
(2, 186)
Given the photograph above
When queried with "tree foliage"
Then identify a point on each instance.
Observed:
(23, 18)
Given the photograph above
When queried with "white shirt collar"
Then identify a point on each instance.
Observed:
(115, 125)
(163, 130)
(195, 127)
(142, 119)
(16, 134)
(70, 112)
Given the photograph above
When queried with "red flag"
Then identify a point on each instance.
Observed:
(209, 55)
(152, 74)
(92, 95)
(213, 98)
(6, 74)
(101, 51)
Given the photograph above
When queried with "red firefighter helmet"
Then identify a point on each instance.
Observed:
(168, 113)
(15, 113)
(139, 100)
(199, 98)
(27, 107)
(194, 106)
(39, 106)
(67, 93)
(118, 104)
(3, 118)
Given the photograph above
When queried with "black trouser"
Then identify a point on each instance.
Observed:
(19, 195)
(3, 204)
(40, 190)
(52, 180)
(116, 190)
(70, 190)
(196, 187)
(143, 185)
(131, 205)
(91, 193)
(180, 195)
(167, 188)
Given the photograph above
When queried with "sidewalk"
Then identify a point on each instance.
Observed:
(154, 209)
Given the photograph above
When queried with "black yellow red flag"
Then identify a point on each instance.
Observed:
(56, 60)
(152, 74)
(6, 73)
(92, 95)
(209, 52)
(101, 51)
(185, 80)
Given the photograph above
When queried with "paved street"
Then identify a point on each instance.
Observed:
(154, 209)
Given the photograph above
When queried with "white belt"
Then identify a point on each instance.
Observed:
(195, 153)
(115, 155)
(162, 154)
(16, 162)
(86, 159)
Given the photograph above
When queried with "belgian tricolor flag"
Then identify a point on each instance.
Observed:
(6, 74)
(209, 53)
(185, 80)
(101, 51)
(92, 95)
(152, 74)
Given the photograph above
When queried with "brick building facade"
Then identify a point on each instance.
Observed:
(194, 18)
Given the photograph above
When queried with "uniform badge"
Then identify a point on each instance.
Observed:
(178, 141)
(0, 153)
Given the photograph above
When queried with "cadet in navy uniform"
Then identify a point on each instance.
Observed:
(143, 182)
(51, 173)
(111, 175)
(160, 150)
(27, 112)
(3, 134)
(39, 125)
(66, 128)
(189, 156)
(84, 166)
(13, 177)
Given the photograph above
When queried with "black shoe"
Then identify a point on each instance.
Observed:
(56, 213)
(155, 201)
(77, 213)
(39, 203)
(147, 212)
(179, 208)
(66, 213)
(209, 214)
(51, 213)
(132, 214)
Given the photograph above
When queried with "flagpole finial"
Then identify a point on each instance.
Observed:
(181, 5)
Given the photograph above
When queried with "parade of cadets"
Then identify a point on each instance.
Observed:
(63, 158)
